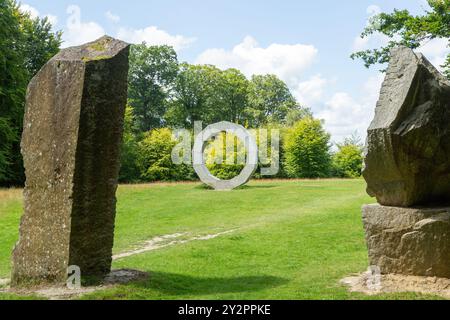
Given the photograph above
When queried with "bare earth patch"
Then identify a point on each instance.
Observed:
(166, 241)
(4, 282)
(394, 283)
(116, 277)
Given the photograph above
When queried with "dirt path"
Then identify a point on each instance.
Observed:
(393, 283)
(166, 241)
(122, 276)
(4, 282)
(116, 277)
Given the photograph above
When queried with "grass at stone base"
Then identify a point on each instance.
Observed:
(7, 296)
(292, 240)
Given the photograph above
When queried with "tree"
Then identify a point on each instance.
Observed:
(307, 150)
(408, 30)
(12, 84)
(269, 100)
(195, 96)
(225, 156)
(296, 114)
(25, 46)
(155, 158)
(233, 94)
(7, 137)
(208, 94)
(129, 171)
(40, 43)
(348, 160)
(153, 70)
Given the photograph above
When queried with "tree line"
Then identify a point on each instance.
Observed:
(304, 152)
(26, 44)
(166, 94)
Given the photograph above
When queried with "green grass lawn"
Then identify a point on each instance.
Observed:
(291, 240)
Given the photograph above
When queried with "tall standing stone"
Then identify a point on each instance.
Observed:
(407, 168)
(407, 160)
(71, 145)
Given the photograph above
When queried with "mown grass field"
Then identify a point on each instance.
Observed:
(287, 240)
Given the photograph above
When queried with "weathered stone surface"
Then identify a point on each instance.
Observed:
(408, 241)
(72, 133)
(407, 159)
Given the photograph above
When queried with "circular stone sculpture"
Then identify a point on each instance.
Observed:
(199, 147)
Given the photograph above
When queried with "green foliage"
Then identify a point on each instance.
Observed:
(12, 85)
(25, 45)
(153, 70)
(348, 160)
(155, 158)
(223, 155)
(194, 95)
(264, 144)
(307, 149)
(155, 155)
(208, 94)
(129, 171)
(40, 43)
(232, 96)
(225, 171)
(165, 93)
(7, 136)
(296, 114)
(269, 101)
(408, 30)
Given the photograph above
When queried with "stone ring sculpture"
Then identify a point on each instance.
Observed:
(199, 147)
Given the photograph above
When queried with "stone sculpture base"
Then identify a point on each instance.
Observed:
(408, 241)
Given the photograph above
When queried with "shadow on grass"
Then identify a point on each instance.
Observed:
(261, 186)
(176, 284)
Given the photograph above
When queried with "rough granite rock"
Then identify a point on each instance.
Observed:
(408, 241)
(407, 159)
(71, 140)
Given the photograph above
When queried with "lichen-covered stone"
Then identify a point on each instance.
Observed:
(71, 140)
(408, 241)
(407, 159)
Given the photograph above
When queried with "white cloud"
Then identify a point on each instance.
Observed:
(52, 19)
(112, 17)
(78, 32)
(285, 61)
(25, 8)
(373, 10)
(345, 115)
(436, 50)
(374, 40)
(154, 36)
(311, 91)
(34, 13)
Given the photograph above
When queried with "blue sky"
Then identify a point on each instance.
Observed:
(306, 43)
